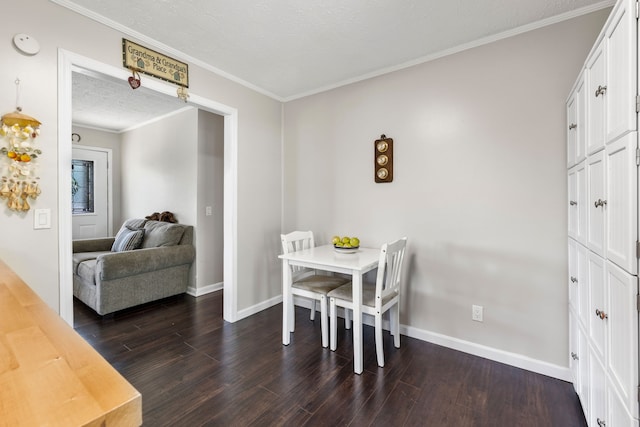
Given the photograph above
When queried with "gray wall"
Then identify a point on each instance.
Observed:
(209, 240)
(33, 254)
(479, 183)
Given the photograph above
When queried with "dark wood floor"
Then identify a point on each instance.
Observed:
(194, 369)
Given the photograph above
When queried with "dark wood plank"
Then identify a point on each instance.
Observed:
(193, 368)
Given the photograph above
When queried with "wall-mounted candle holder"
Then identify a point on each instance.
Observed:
(383, 159)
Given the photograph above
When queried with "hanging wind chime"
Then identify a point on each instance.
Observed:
(18, 133)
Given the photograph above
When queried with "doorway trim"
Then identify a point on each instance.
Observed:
(67, 61)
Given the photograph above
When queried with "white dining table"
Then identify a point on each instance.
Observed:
(327, 259)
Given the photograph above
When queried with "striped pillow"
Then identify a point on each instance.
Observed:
(128, 239)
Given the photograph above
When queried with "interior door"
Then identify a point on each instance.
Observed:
(90, 193)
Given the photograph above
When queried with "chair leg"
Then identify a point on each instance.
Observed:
(395, 316)
(347, 318)
(378, 333)
(312, 315)
(333, 321)
(323, 321)
(292, 316)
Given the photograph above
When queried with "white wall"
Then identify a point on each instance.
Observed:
(33, 254)
(479, 183)
(110, 140)
(159, 168)
(209, 239)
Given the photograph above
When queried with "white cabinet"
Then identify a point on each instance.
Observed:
(596, 202)
(602, 188)
(621, 320)
(621, 202)
(620, 81)
(578, 202)
(596, 88)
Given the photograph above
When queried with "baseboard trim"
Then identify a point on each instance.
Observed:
(508, 358)
(259, 307)
(497, 355)
(196, 292)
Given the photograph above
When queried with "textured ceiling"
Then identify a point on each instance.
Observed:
(288, 48)
(105, 103)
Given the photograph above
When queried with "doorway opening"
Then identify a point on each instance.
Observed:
(67, 63)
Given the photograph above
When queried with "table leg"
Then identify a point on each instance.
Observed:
(286, 301)
(357, 323)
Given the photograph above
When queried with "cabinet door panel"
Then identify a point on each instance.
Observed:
(595, 206)
(573, 275)
(574, 351)
(584, 372)
(583, 285)
(622, 202)
(621, 71)
(571, 130)
(597, 393)
(597, 304)
(622, 322)
(596, 80)
(581, 121)
(583, 209)
(573, 202)
(618, 414)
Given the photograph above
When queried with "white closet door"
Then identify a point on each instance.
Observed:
(584, 372)
(573, 202)
(622, 202)
(572, 134)
(622, 322)
(595, 203)
(597, 395)
(596, 84)
(621, 70)
(597, 305)
(582, 198)
(581, 121)
(574, 351)
(582, 260)
(573, 275)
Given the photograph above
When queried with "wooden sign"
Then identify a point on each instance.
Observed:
(383, 159)
(147, 61)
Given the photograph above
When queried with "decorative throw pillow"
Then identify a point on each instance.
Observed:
(128, 239)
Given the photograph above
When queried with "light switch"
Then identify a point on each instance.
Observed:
(41, 218)
(208, 211)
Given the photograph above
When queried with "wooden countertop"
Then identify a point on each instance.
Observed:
(48, 374)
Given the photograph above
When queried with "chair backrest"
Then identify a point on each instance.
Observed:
(389, 269)
(297, 241)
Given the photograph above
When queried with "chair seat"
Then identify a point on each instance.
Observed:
(318, 283)
(345, 293)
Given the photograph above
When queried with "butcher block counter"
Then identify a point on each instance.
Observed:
(50, 376)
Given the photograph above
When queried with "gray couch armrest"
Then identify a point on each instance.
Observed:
(116, 265)
(93, 245)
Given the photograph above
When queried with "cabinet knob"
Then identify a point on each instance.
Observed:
(601, 90)
(573, 202)
(574, 356)
(574, 279)
(599, 203)
(601, 314)
(573, 126)
(600, 422)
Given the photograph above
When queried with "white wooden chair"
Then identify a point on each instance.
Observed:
(377, 298)
(308, 283)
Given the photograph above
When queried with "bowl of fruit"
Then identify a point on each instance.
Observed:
(345, 244)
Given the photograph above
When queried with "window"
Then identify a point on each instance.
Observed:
(82, 186)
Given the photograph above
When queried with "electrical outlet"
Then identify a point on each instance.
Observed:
(476, 313)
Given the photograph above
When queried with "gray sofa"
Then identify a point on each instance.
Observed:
(109, 277)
